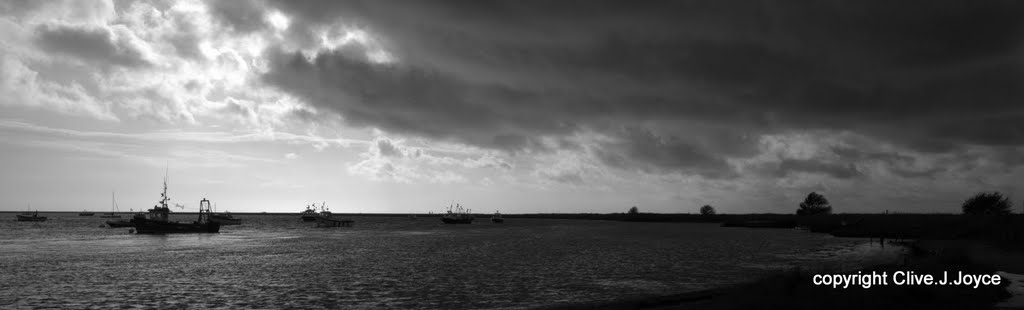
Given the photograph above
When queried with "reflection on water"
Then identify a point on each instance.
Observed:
(275, 261)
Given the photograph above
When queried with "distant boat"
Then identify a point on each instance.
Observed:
(496, 218)
(309, 215)
(119, 223)
(157, 221)
(326, 219)
(85, 213)
(459, 216)
(113, 209)
(31, 217)
(225, 219)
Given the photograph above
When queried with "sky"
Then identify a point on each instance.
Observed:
(517, 106)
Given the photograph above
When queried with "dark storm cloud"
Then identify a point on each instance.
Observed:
(930, 75)
(651, 153)
(898, 164)
(240, 15)
(89, 44)
(853, 154)
(911, 173)
(836, 170)
(410, 99)
(790, 166)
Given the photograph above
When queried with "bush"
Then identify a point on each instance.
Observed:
(814, 204)
(634, 210)
(983, 203)
(707, 210)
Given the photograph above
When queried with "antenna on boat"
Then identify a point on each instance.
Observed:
(163, 196)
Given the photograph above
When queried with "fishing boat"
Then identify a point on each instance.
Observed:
(157, 222)
(119, 222)
(327, 219)
(225, 219)
(309, 215)
(31, 217)
(458, 215)
(85, 213)
(496, 218)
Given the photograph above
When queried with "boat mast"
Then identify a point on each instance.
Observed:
(163, 196)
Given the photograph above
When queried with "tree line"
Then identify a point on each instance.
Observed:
(983, 203)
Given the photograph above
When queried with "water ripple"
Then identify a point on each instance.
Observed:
(274, 262)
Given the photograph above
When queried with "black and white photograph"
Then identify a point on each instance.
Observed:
(511, 154)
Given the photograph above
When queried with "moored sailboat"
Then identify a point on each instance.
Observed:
(31, 217)
(119, 222)
(113, 214)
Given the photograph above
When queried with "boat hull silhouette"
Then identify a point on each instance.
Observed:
(225, 220)
(309, 215)
(31, 218)
(146, 226)
(457, 215)
(120, 223)
(329, 222)
(448, 220)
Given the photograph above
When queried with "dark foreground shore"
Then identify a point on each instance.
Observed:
(794, 289)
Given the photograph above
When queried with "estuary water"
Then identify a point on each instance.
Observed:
(277, 261)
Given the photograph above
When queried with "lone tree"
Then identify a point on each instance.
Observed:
(707, 210)
(814, 204)
(634, 210)
(984, 203)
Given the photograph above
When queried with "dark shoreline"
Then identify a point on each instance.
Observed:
(794, 289)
